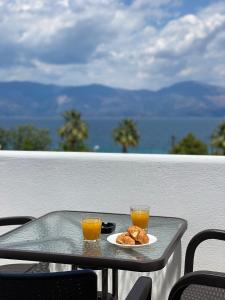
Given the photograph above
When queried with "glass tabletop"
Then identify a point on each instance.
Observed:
(57, 237)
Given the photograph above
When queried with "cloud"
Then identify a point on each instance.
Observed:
(49, 35)
(139, 44)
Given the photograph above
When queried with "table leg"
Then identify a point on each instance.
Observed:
(74, 267)
(115, 284)
(104, 284)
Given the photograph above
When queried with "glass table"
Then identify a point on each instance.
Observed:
(57, 237)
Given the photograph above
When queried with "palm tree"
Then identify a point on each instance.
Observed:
(126, 134)
(73, 132)
(218, 139)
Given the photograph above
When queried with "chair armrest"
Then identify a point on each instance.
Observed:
(202, 278)
(200, 237)
(18, 220)
(141, 290)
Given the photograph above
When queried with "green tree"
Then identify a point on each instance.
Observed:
(73, 132)
(29, 137)
(126, 134)
(190, 145)
(218, 139)
(4, 139)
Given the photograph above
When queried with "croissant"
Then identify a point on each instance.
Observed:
(142, 237)
(134, 235)
(134, 231)
(120, 238)
(138, 234)
(124, 238)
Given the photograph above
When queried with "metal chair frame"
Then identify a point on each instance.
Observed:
(205, 278)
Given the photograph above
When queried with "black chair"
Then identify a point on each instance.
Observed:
(79, 285)
(141, 290)
(200, 285)
(209, 234)
(23, 267)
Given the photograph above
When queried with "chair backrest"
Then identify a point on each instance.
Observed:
(79, 285)
(200, 285)
(200, 237)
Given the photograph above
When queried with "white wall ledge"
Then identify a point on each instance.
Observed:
(115, 156)
(189, 187)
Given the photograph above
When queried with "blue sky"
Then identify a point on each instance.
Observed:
(132, 44)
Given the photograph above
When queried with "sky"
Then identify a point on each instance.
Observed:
(132, 44)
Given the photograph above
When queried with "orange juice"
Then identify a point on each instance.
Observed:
(91, 228)
(140, 218)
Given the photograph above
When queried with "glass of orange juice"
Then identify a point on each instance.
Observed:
(91, 227)
(140, 216)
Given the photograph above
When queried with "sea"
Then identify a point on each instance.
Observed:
(155, 133)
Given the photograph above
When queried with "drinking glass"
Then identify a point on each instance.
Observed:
(140, 216)
(91, 227)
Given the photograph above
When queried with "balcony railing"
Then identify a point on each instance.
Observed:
(190, 187)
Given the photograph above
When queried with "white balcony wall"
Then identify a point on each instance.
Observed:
(190, 187)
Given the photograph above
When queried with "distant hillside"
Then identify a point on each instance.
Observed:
(185, 99)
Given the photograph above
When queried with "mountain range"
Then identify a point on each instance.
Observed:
(183, 99)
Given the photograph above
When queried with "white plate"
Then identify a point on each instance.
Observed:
(112, 239)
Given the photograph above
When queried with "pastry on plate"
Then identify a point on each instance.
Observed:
(134, 231)
(134, 235)
(138, 234)
(142, 237)
(125, 238)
